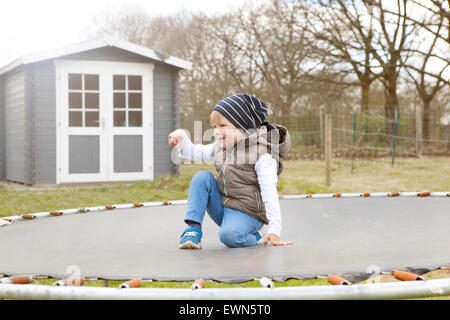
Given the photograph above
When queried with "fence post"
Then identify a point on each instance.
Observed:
(395, 134)
(328, 149)
(321, 131)
(418, 130)
(354, 141)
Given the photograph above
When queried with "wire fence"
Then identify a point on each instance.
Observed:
(358, 137)
(367, 137)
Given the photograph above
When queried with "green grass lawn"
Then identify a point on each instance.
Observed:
(298, 177)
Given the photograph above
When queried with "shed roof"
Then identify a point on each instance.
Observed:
(95, 44)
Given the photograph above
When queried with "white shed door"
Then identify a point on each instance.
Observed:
(104, 121)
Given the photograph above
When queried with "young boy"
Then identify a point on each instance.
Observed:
(247, 154)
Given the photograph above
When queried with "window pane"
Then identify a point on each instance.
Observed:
(75, 100)
(119, 119)
(134, 100)
(119, 100)
(91, 82)
(135, 118)
(75, 119)
(91, 100)
(134, 83)
(74, 81)
(119, 82)
(91, 119)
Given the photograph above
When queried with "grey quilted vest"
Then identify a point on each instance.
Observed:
(237, 179)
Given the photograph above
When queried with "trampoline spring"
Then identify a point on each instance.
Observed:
(59, 283)
(266, 283)
(337, 280)
(423, 194)
(4, 222)
(72, 281)
(17, 280)
(198, 284)
(28, 216)
(133, 283)
(56, 213)
(406, 276)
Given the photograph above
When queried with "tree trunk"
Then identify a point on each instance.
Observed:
(391, 102)
(365, 91)
(286, 115)
(419, 131)
(426, 121)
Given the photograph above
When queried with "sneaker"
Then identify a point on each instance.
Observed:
(260, 234)
(190, 239)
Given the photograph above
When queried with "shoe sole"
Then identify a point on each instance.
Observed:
(190, 245)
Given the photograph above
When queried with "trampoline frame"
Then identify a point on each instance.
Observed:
(375, 291)
(389, 290)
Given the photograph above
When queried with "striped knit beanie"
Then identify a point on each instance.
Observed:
(243, 111)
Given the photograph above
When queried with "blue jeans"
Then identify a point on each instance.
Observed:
(237, 229)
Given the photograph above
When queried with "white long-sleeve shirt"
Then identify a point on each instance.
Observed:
(265, 167)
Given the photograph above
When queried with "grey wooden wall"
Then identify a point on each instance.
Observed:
(2, 130)
(164, 95)
(43, 105)
(15, 125)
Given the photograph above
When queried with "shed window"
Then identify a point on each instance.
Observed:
(91, 82)
(91, 119)
(74, 81)
(127, 100)
(119, 82)
(84, 99)
(75, 119)
(75, 100)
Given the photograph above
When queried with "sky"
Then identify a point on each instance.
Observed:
(29, 26)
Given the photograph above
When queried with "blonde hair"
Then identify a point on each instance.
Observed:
(215, 117)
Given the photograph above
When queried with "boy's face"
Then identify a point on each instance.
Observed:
(225, 133)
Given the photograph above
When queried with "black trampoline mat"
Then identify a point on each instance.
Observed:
(351, 237)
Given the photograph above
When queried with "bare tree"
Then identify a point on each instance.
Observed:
(345, 49)
(430, 56)
(131, 24)
(386, 36)
(440, 11)
(268, 40)
(427, 83)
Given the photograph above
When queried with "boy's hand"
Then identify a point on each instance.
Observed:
(275, 240)
(176, 137)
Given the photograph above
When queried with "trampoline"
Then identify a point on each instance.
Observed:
(354, 236)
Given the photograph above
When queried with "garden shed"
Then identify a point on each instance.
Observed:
(96, 111)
